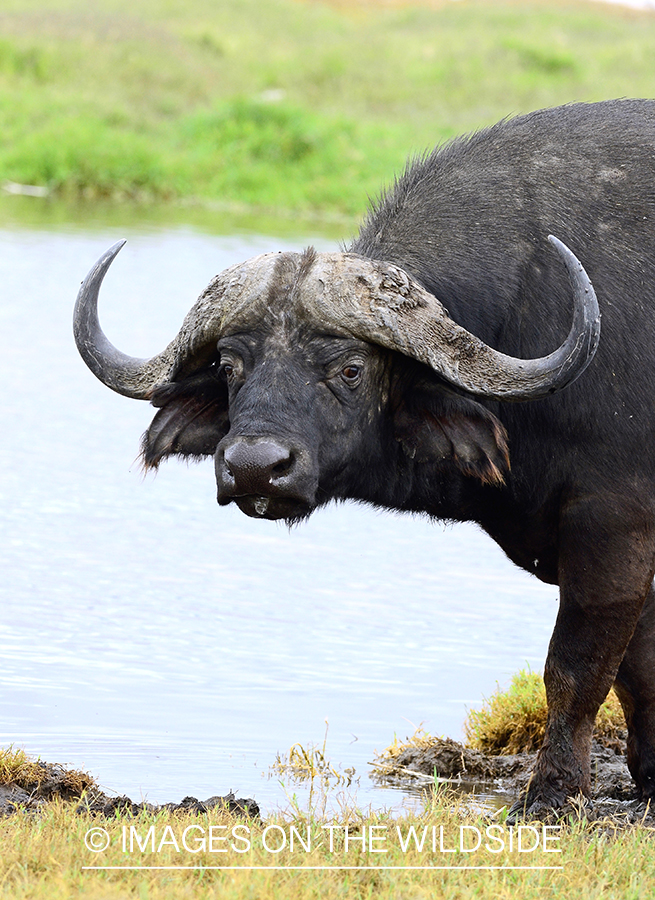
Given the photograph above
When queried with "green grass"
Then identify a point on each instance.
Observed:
(45, 856)
(424, 852)
(514, 720)
(281, 106)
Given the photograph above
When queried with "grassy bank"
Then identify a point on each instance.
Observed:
(444, 846)
(513, 720)
(414, 856)
(281, 104)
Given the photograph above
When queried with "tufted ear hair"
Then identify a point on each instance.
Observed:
(192, 419)
(433, 423)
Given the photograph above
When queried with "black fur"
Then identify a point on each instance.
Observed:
(324, 417)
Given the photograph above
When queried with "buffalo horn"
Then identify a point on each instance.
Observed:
(194, 344)
(381, 303)
(127, 375)
(374, 301)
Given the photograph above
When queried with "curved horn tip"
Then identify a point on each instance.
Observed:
(114, 249)
(109, 255)
(124, 374)
(573, 263)
(103, 263)
(589, 310)
(565, 252)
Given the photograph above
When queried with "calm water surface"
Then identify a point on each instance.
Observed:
(172, 647)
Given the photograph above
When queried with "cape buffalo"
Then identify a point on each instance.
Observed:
(432, 366)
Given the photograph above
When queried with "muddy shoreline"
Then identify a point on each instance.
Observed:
(57, 783)
(444, 762)
(472, 772)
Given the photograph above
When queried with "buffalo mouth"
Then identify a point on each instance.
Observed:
(258, 506)
(267, 477)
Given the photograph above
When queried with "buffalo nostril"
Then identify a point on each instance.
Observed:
(284, 466)
(255, 465)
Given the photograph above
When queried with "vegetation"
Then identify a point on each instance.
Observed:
(282, 105)
(514, 720)
(421, 740)
(47, 855)
(18, 769)
(310, 763)
(443, 847)
(291, 108)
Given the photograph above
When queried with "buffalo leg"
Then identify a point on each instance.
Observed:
(607, 548)
(635, 686)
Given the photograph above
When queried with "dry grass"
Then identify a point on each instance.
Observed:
(18, 770)
(514, 720)
(46, 857)
(300, 854)
(386, 763)
(309, 762)
(510, 721)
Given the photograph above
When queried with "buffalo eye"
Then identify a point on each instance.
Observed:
(231, 369)
(352, 375)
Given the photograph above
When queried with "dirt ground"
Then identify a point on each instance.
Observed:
(502, 778)
(486, 780)
(57, 783)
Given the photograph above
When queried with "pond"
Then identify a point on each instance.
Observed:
(172, 647)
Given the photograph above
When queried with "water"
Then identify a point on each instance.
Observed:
(171, 647)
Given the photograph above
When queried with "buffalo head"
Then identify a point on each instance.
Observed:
(312, 376)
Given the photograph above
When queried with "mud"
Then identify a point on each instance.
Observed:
(98, 804)
(503, 778)
(496, 779)
(56, 782)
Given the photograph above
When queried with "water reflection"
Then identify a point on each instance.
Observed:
(173, 647)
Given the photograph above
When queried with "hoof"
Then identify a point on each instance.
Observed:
(536, 808)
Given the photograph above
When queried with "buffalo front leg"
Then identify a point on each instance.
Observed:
(606, 559)
(635, 686)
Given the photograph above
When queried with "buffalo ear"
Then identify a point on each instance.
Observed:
(192, 419)
(434, 423)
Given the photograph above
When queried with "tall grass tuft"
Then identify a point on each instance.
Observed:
(514, 720)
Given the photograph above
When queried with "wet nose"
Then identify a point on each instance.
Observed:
(256, 466)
